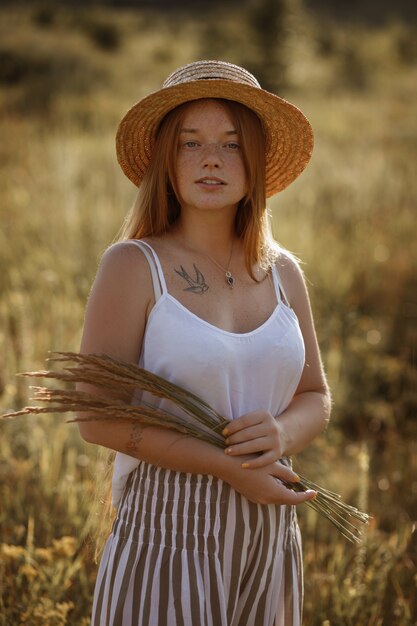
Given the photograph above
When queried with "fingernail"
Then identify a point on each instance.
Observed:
(245, 465)
(228, 450)
(311, 492)
(296, 479)
(226, 441)
(225, 432)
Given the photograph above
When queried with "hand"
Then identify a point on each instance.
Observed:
(257, 432)
(264, 486)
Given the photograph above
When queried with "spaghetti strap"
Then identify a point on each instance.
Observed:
(158, 265)
(158, 281)
(279, 289)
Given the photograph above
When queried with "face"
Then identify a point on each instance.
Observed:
(210, 173)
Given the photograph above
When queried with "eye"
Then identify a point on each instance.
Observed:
(190, 144)
(232, 145)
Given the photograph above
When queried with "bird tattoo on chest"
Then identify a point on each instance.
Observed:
(196, 285)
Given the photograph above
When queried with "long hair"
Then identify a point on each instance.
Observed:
(157, 206)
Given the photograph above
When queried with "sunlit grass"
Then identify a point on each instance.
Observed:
(351, 219)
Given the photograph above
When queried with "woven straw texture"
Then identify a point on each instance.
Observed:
(289, 137)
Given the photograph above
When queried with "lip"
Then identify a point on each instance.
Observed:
(210, 181)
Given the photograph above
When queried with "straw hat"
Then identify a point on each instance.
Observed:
(289, 137)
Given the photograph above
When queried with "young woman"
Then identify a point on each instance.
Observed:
(198, 293)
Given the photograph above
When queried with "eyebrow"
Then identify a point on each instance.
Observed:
(195, 130)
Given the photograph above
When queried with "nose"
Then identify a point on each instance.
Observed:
(211, 156)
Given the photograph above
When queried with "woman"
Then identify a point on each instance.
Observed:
(198, 293)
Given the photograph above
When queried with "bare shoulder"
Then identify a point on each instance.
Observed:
(292, 277)
(119, 303)
(126, 263)
(286, 261)
(124, 255)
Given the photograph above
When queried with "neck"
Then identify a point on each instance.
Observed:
(210, 236)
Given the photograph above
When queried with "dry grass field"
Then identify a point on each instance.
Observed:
(66, 77)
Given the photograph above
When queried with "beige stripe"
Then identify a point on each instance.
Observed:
(194, 579)
(214, 558)
(252, 525)
(250, 598)
(239, 551)
(150, 591)
(100, 587)
(202, 513)
(115, 596)
(289, 586)
(108, 566)
(147, 551)
(300, 574)
(214, 598)
(138, 551)
(266, 597)
(176, 563)
(274, 599)
(166, 550)
(222, 515)
(260, 610)
(204, 559)
(129, 538)
(126, 509)
(293, 574)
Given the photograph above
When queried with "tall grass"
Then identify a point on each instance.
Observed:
(350, 217)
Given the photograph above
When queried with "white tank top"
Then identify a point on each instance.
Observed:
(236, 373)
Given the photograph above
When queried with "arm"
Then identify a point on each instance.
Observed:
(308, 413)
(119, 304)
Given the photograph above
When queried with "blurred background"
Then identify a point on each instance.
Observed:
(68, 72)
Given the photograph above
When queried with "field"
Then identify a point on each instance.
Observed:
(66, 77)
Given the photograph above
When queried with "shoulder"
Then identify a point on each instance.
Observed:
(286, 261)
(124, 271)
(124, 254)
(295, 287)
(119, 303)
(126, 260)
(291, 276)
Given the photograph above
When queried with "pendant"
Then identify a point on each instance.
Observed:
(230, 280)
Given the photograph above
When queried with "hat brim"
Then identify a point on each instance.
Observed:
(289, 136)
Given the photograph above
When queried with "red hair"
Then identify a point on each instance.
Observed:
(157, 206)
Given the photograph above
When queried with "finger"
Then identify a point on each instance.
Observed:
(264, 459)
(285, 473)
(250, 419)
(248, 447)
(298, 497)
(250, 432)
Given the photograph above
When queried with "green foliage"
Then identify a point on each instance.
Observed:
(350, 217)
(44, 15)
(267, 20)
(103, 33)
(407, 46)
(46, 486)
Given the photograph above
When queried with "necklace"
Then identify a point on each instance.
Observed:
(230, 280)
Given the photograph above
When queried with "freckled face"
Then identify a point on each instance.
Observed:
(210, 173)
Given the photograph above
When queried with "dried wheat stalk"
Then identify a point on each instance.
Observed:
(198, 420)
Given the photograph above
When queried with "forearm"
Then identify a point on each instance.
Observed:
(178, 452)
(305, 418)
(159, 446)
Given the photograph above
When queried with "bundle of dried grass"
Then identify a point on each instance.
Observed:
(196, 418)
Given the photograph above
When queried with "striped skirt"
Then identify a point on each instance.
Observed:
(188, 550)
